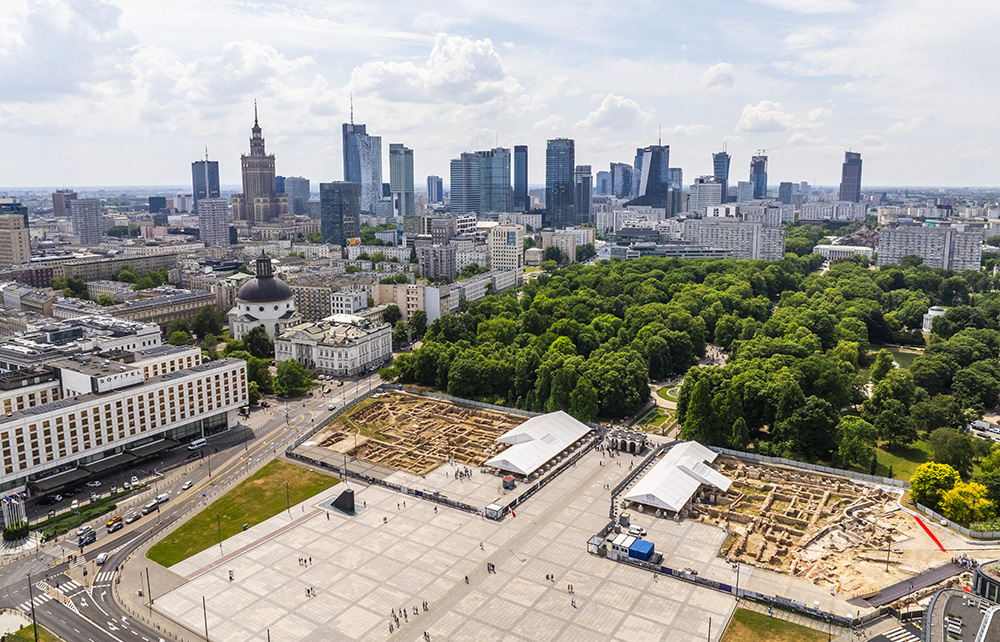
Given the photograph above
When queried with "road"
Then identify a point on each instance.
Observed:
(90, 612)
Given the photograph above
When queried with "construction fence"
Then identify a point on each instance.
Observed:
(875, 479)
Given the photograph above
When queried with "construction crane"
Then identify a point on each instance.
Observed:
(761, 152)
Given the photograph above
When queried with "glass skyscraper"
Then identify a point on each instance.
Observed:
(363, 164)
(521, 201)
(720, 167)
(850, 178)
(758, 176)
(494, 191)
(435, 189)
(204, 180)
(401, 180)
(340, 214)
(560, 163)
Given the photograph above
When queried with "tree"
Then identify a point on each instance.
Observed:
(399, 335)
(209, 347)
(991, 463)
(857, 440)
(253, 393)
(740, 437)
(418, 323)
(810, 428)
(583, 401)
(940, 411)
(894, 426)
(529, 242)
(314, 237)
(392, 314)
(550, 266)
(413, 255)
(207, 321)
(952, 448)
(179, 325)
(105, 300)
(293, 379)
(72, 287)
(125, 275)
(966, 503)
(883, 364)
(258, 343)
(930, 482)
(585, 252)
(700, 419)
(180, 338)
(258, 370)
(553, 253)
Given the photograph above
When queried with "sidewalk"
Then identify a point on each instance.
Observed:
(794, 618)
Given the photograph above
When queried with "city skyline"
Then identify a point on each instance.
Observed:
(811, 79)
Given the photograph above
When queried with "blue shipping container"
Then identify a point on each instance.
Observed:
(641, 550)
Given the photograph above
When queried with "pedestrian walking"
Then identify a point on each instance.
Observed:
(481, 546)
(310, 560)
(573, 602)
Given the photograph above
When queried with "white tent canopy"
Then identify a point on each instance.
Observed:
(537, 441)
(675, 479)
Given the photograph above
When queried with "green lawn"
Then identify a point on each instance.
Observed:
(251, 502)
(750, 626)
(27, 634)
(656, 420)
(668, 393)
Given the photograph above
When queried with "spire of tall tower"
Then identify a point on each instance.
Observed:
(659, 134)
(255, 112)
(206, 153)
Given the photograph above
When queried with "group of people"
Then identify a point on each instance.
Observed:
(305, 561)
(965, 561)
(403, 613)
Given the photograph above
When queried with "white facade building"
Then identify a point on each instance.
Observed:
(263, 301)
(341, 345)
(506, 243)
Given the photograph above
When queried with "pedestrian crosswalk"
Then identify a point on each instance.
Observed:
(900, 634)
(25, 607)
(104, 577)
(79, 561)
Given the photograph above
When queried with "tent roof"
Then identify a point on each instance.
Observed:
(537, 441)
(675, 479)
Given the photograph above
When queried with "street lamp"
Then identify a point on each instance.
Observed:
(31, 600)
(888, 549)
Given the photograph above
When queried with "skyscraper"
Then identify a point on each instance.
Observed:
(59, 198)
(156, 204)
(705, 192)
(204, 179)
(297, 189)
(213, 222)
(401, 180)
(850, 178)
(86, 215)
(583, 185)
(602, 184)
(621, 180)
(785, 193)
(465, 183)
(363, 164)
(560, 161)
(758, 176)
(14, 206)
(15, 247)
(744, 191)
(279, 184)
(435, 189)
(260, 200)
(340, 213)
(494, 192)
(720, 166)
(651, 179)
(522, 203)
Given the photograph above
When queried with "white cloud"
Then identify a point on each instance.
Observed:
(615, 113)
(458, 70)
(687, 130)
(719, 76)
(550, 123)
(765, 116)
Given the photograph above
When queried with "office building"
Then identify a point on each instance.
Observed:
(363, 164)
(785, 193)
(86, 215)
(560, 163)
(522, 202)
(565, 241)
(260, 200)
(466, 175)
(506, 244)
(705, 192)
(495, 194)
(14, 206)
(435, 189)
(438, 262)
(401, 180)
(583, 186)
(213, 222)
(157, 204)
(59, 198)
(720, 170)
(602, 184)
(952, 247)
(341, 345)
(758, 176)
(15, 247)
(651, 176)
(850, 178)
(204, 179)
(621, 180)
(297, 190)
(744, 191)
(340, 212)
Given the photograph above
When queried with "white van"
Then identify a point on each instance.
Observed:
(149, 508)
(162, 498)
(197, 443)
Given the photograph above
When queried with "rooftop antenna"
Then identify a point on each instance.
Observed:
(254, 111)
(352, 108)
(206, 152)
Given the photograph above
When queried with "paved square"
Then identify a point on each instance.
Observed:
(389, 558)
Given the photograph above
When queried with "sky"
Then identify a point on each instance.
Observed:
(129, 92)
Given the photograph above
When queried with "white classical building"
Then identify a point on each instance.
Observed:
(342, 345)
(263, 301)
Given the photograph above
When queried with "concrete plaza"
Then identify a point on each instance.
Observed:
(386, 558)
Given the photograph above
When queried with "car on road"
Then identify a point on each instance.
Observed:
(93, 484)
(163, 497)
(87, 538)
(131, 517)
(114, 520)
(332, 406)
(102, 558)
(114, 489)
(70, 493)
(194, 455)
(265, 404)
(74, 504)
(83, 530)
(187, 484)
(135, 480)
(115, 527)
(340, 383)
(150, 507)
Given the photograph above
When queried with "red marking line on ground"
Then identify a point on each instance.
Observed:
(929, 533)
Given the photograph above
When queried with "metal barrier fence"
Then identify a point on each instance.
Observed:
(941, 519)
(813, 467)
(468, 402)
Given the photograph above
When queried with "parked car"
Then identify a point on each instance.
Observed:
(127, 486)
(636, 531)
(135, 480)
(75, 504)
